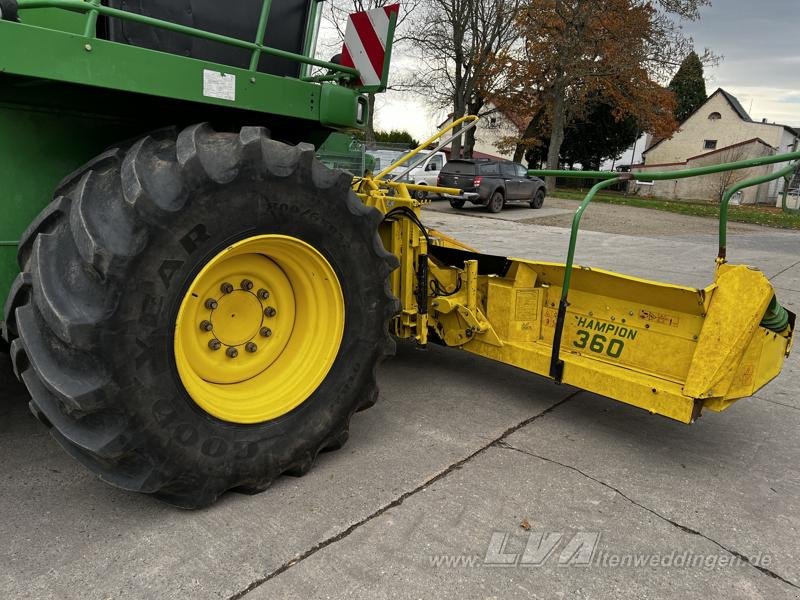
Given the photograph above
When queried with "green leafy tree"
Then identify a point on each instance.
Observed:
(396, 136)
(689, 87)
(589, 141)
(597, 137)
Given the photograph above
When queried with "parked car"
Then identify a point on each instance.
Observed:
(491, 183)
(425, 173)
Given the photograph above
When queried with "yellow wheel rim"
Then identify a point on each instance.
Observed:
(259, 329)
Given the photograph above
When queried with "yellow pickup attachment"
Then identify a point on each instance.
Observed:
(668, 349)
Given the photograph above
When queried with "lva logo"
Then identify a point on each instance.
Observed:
(540, 547)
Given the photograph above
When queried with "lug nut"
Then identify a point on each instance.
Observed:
(226, 288)
(232, 352)
(211, 304)
(266, 332)
(250, 347)
(270, 312)
(206, 326)
(214, 344)
(247, 285)
(263, 294)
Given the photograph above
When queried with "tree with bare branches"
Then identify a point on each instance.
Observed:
(455, 43)
(574, 51)
(335, 15)
(722, 181)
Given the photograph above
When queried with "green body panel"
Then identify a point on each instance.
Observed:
(132, 69)
(344, 152)
(39, 147)
(65, 97)
(52, 18)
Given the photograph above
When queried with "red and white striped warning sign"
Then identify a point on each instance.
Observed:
(365, 41)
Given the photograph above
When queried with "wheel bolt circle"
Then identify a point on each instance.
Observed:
(232, 352)
(247, 285)
(206, 326)
(214, 344)
(263, 294)
(211, 304)
(226, 288)
(266, 332)
(250, 347)
(270, 311)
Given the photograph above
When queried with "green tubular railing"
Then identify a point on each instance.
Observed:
(556, 364)
(666, 175)
(266, 6)
(93, 8)
(726, 198)
(609, 179)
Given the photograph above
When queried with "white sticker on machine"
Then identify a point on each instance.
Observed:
(219, 85)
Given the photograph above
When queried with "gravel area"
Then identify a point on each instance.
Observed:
(611, 218)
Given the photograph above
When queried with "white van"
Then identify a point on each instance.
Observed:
(425, 173)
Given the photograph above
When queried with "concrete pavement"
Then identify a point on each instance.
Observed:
(511, 212)
(461, 466)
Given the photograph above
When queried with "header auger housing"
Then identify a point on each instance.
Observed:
(196, 307)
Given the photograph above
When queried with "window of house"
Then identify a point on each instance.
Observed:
(714, 116)
(710, 144)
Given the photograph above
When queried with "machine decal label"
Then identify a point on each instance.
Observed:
(660, 318)
(599, 343)
(219, 85)
(526, 305)
(610, 328)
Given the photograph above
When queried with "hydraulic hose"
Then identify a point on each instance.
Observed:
(776, 318)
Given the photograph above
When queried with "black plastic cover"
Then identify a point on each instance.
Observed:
(237, 19)
(488, 264)
(8, 10)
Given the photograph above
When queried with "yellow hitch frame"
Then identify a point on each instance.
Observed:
(668, 349)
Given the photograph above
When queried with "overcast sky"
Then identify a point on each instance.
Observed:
(759, 41)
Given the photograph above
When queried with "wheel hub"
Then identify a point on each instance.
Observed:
(259, 328)
(237, 318)
(224, 344)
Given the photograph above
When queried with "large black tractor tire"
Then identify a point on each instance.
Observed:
(105, 267)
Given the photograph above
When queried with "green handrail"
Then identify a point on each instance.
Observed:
(556, 364)
(609, 179)
(82, 6)
(726, 198)
(266, 6)
(91, 20)
(667, 175)
(576, 223)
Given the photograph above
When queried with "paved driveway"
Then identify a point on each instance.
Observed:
(468, 479)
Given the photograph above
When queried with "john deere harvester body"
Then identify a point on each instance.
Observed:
(195, 306)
